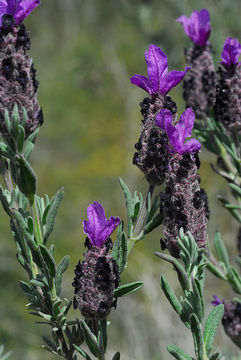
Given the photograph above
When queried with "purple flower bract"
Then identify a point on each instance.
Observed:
(178, 133)
(216, 301)
(197, 27)
(98, 228)
(19, 9)
(231, 52)
(159, 80)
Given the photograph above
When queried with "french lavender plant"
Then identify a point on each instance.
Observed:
(221, 136)
(199, 84)
(165, 157)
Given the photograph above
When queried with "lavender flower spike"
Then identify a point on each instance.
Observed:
(98, 228)
(231, 52)
(159, 80)
(178, 133)
(19, 9)
(197, 27)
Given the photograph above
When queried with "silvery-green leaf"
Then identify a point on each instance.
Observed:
(128, 288)
(91, 341)
(221, 250)
(178, 353)
(52, 213)
(211, 326)
(82, 352)
(129, 204)
(170, 295)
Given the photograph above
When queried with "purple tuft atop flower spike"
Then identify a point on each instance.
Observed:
(159, 80)
(197, 27)
(216, 301)
(19, 9)
(231, 52)
(178, 133)
(98, 228)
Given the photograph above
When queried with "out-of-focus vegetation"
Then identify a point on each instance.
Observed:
(85, 51)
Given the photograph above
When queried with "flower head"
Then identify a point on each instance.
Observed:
(216, 301)
(178, 133)
(19, 9)
(159, 80)
(98, 228)
(231, 52)
(197, 27)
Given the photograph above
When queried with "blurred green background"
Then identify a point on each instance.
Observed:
(85, 52)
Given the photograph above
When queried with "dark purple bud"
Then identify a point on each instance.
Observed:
(231, 52)
(98, 228)
(159, 81)
(197, 27)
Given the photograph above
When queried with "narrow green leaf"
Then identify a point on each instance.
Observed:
(82, 352)
(198, 303)
(128, 288)
(52, 213)
(49, 261)
(211, 326)
(215, 270)
(221, 250)
(63, 265)
(235, 279)
(91, 340)
(153, 223)
(119, 251)
(170, 295)
(103, 333)
(197, 336)
(116, 356)
(7, 121)
(26, 178)
(177, 353)
(129, 204)
(20, 137)
(236, 188)
(6, 151)
(215, 356)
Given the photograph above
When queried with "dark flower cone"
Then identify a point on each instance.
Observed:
(183, 203)
(232, 321)
(95, 281)
(18, 84)
(152, 156)
(199, 83)
(228, 100)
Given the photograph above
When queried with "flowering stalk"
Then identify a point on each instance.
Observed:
(190, 306)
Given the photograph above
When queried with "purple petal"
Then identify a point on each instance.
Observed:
(98, 228)
(231, 52)
(171, 80)
(191, 146)
(197, 27)
(110, 226)
(163, 117)
(186, 124)
(142, 82)
(157, 63)
(173, 136)
(216, 301)
(19, 9)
